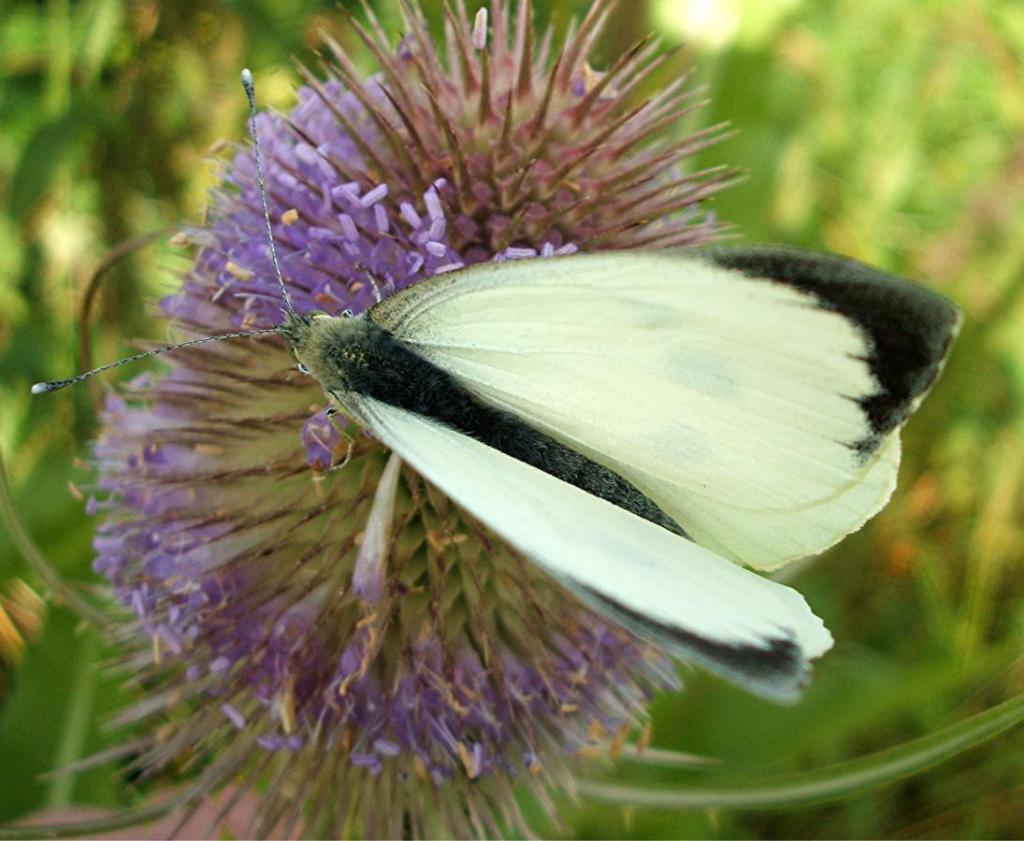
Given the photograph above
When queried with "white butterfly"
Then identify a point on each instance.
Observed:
(642, 424)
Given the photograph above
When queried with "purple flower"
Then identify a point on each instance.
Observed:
(351, 634)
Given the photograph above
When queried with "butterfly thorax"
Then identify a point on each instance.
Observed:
(342, 353)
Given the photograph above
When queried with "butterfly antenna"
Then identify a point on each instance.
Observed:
(250, 92)
(54, 385)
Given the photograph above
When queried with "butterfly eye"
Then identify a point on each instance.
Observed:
(348, 313)
(303, 369)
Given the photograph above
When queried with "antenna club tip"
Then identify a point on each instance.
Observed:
(42, 388)
(247, 82)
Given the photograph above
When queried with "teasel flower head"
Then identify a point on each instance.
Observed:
(349, 634)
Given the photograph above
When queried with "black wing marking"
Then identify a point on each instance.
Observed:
(909, 328)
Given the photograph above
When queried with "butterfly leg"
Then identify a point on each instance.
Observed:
(331, 413)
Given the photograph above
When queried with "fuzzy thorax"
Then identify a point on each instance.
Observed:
(327, 347)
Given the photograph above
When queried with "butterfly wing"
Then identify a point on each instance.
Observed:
(695, 605)
(754, 394)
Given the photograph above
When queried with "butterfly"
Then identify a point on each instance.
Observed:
(642, 425)
(646, 425)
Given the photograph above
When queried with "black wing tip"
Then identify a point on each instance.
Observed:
(909, 327)
(775, 669)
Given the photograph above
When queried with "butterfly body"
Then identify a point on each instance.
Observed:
(355, 357)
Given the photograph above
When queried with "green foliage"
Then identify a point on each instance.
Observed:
(885, 129)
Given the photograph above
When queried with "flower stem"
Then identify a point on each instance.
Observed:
(79, 712)
(830, 783)
(37, 560)
(94, 826)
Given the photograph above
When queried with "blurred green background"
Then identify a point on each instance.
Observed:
(889, 130)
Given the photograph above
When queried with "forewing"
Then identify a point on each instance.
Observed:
(754, 394)
(695, 605)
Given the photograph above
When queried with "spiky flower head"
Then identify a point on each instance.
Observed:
(350, 633)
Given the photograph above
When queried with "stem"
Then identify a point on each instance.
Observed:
(830, 783)
(79, 710)
(94, 826)
(661, 758)
(112, 258)
(37, 560)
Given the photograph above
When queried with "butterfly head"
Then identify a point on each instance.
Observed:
(327, 348)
